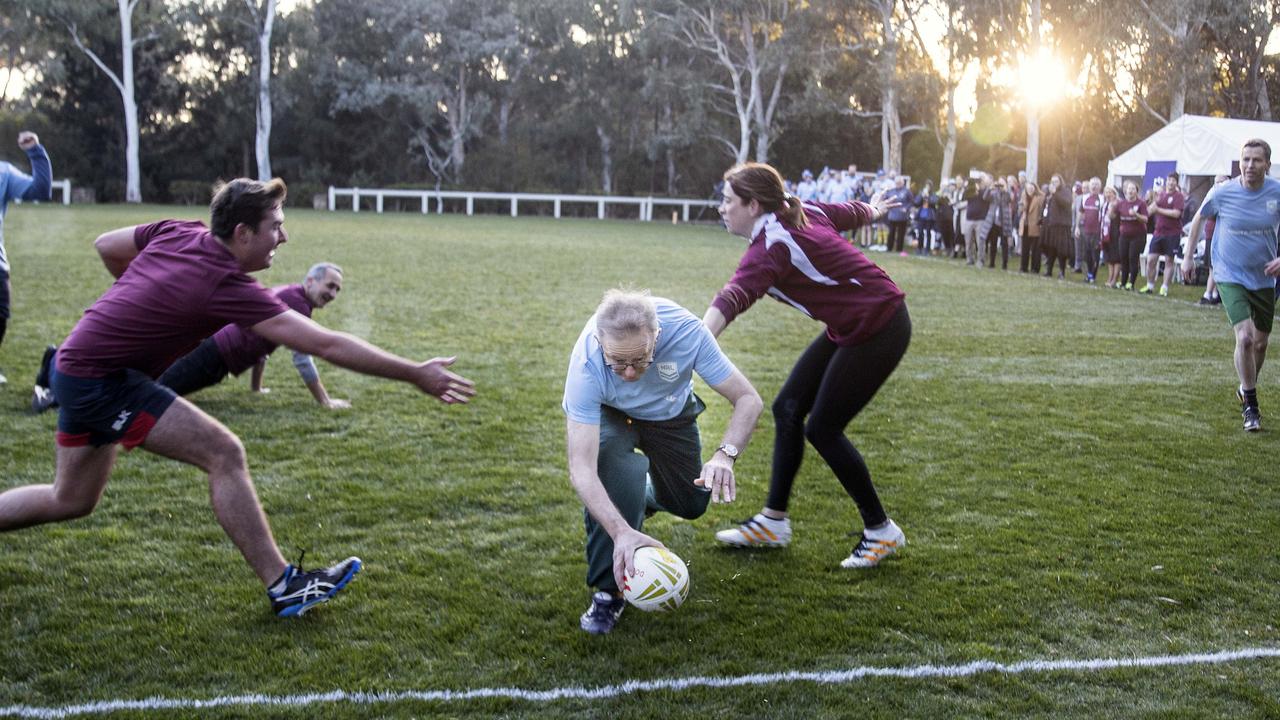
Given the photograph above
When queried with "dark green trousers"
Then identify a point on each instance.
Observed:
(670, 452)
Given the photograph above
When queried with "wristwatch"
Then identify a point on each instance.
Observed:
(731, 451)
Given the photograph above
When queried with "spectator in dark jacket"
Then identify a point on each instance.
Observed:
(1057, 226)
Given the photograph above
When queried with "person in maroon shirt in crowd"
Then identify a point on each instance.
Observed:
(1167, 239)
(1088, 231)
(176, 283)
(795, 252)
(1131, 212)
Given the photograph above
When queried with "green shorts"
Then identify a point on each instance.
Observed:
(1243, 304)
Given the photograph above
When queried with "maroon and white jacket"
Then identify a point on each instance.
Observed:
(816, 271)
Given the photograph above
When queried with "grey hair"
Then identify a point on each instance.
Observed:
(623, 313)
(320, 269)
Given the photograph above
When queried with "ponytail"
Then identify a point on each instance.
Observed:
(792, 211)
(760, 182)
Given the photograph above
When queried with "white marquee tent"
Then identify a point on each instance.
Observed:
(1202, 147)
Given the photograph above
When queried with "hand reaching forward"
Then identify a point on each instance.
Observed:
(448, 387)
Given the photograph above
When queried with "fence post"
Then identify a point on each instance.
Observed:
(426, 201)
(600, 210)
(333, 198)
(513, 206)
(379, 203)
(471, 205)
(355, 199)
(557, 213)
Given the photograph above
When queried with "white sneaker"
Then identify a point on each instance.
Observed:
(871, 550)
(759, 531)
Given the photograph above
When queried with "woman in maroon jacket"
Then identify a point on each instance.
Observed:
(796, 253)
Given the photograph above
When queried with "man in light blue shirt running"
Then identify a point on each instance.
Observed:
(630, 388)
(1245, 265)
(17, 185)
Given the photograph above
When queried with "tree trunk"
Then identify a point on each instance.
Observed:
(671, 171)
(951, 138)
(504, 120)
(606, 160)
(132, 175)
(1033, 114)
(1178, 92)
(458, 122)
(1033, 145)
(890, 122)
(262, 143)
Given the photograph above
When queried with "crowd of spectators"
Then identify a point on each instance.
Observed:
(1102, 233)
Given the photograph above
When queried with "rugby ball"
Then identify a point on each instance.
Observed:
(660, 582)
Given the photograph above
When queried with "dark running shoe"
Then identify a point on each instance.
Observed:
(42, 399)
(42, 395)
(303, 589)
(1252, 419)
(46, 365)
(603, 614)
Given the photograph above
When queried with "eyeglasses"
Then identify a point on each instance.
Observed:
(621, 367)
(639, 365)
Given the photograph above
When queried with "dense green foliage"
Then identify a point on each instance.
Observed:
(1067, 462)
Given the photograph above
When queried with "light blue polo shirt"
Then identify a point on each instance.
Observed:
(685, 346)
(1244, 238)
(15, 185)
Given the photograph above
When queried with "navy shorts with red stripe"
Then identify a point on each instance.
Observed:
(119, 408)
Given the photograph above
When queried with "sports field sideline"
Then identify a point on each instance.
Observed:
(1066, 461)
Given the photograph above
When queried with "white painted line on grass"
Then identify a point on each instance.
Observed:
(602, 692)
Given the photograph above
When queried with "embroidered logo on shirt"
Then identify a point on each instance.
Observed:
(668, 371)
(120, 421)
(1271, 207)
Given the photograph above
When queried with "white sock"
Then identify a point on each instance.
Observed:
(770, 522)
(887, 531)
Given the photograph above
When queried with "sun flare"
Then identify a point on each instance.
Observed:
(1042, 79)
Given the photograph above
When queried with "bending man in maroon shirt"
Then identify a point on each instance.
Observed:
(795, 253)
(177, 283)
(231, 350)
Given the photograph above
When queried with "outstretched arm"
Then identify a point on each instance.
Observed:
(717, 474)
(584, 448)
(714, 320)
(1189, 257)
(311, 378)
(302, 334)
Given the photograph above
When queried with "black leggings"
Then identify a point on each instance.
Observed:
(1130, 249)
(196, 370)
(1030, 253)
(897, 235)
(829, 385)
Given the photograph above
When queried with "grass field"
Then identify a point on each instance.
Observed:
(1067, 462)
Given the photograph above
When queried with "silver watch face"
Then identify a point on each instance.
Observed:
(729, 450)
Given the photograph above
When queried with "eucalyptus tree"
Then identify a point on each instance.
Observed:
(420, 62)
(86, 24)
(749, 46)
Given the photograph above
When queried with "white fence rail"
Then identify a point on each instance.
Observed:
(64, 186)
(646, 205)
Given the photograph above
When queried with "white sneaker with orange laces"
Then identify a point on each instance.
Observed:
(759, 531)
(876, 546)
